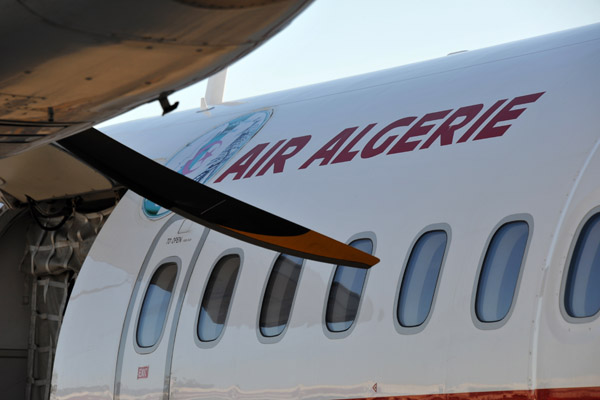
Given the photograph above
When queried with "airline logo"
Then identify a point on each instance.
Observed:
(202, 158)
(407, 134)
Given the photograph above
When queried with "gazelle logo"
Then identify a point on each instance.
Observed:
(202, 158)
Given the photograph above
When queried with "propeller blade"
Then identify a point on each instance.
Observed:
(207, 206)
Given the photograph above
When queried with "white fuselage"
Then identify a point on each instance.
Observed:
(544, 169)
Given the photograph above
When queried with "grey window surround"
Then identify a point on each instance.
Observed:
(345, 291)
(515, 218)
(217, 297)
(580, 292)
(278, 295)
(420, 278)
(155, 305)
(405, 330)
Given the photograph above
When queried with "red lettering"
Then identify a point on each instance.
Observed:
(480, 121)
(506, 114)
(279, 159)
(446, 131)
(371, 150)
(241, 165)
(327, 152)
(143, 372)
(418, 129)
(262, 160)
(346, 154)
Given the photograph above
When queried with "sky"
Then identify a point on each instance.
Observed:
(338, 38)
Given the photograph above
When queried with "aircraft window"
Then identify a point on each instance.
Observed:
(346, 289)
(155, 305)
(420, 278)
(582, 290)
(500, 271)
(279, 295)
(217, 298)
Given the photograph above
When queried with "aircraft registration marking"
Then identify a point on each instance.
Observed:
(177, 240)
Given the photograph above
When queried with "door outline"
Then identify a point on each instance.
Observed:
(176, 311)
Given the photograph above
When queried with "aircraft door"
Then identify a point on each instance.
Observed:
(568, 321)
(144, 358)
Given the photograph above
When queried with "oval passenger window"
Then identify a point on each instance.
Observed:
(420, 278)
(217, 298)
(279, 295)
(500, 271)
(155, 305)
(582, 289)
(345, 292)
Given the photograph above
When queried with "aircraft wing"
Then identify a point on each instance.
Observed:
(68, 65)
(74, 64)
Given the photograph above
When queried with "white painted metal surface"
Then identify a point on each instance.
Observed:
(141, 370)
(545, 165)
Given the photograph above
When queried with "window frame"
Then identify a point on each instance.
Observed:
(229, 252)
(567, 267)
(274, 339)
(411, 330)
(528, 219)
(340, 335)
(147, 350)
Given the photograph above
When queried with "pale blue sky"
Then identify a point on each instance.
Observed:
(338, 38)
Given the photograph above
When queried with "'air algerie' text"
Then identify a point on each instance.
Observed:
(342, 148)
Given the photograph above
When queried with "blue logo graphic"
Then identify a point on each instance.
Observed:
(202, 158)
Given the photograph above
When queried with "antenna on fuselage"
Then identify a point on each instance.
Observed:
(215, 87)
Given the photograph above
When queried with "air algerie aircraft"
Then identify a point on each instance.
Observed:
(465, 191)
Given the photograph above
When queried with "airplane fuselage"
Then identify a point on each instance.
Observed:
(468, 147)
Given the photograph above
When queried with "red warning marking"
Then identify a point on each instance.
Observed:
(375, 387)
(143, 372)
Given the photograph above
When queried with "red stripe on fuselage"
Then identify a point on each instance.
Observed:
(538, 394)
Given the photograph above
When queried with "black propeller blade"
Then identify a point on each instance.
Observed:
(207, 206)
